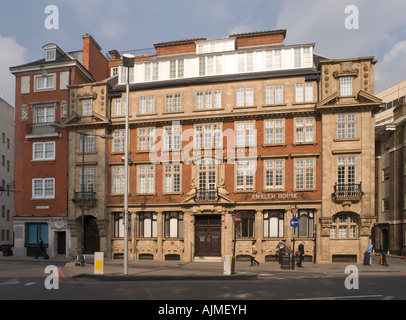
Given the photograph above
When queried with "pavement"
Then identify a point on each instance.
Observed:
(142, 270)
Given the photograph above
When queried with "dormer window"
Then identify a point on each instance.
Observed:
(50, 55)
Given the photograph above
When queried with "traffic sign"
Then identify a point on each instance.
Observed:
(294, 222)
(237, 219)
(295, 211)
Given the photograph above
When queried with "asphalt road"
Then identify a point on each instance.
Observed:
(27, 281)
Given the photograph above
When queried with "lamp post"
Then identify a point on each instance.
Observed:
(128, 62)
(82, 186)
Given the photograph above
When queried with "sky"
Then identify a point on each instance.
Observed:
(339, 28)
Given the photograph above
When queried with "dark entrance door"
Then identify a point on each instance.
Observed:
(208, 236)
(61, 242)
(92, 239)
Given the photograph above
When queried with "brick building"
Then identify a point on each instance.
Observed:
(238, 125)
(246, 124)
(41, 163)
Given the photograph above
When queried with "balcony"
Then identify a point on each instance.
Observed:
(206, 195)
(88, 197)
(347, 192)
(41, 130)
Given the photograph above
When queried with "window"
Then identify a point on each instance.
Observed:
(208, 100)
(34, 231)
(119, 141)
(304, 174)
(147, 105)
(44, 114)
(173, 102)
(146, 179)
(172, 138)
(346, 173)
(274, 131)
(346, 126)
(207, 177)
(245, 97)
(245, 171)
(344, 226)
(274, 221)
(43, 151)
(173, 226)
(274, 174)
(305, 229)
(176, 69)
(172, 178)
(304, 93)
(297, 58)
(45, 82)
(120, 107)
(89, 142)
(88, 183)
(304, 130)
(246, 228)
(208, 136)
(151, 71)
(86, 107)
(346, 86)
(146, 139)
(148, 224)
(43, 188)
(118, 180)
(119, 225)
(50, 54)
(245, 134)
(274, 95)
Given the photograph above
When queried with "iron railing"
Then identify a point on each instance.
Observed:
(348, 191)
(206, 195)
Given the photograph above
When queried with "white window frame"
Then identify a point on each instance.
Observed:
(346, 126)
(146, 139)
(245, 134)
(305, 129)
(118, 180)
(172, 137)
(172, 178)
(305, 174)
(245, 97)
(345, 86)
(274, 131)
(274, 175)
(208, 136)
(245, 175)
(87, 107)
(118, 142)
(146, 179)
(40, 186)
(43, 152)
(46, 84)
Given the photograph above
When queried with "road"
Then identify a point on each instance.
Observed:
(26, 280)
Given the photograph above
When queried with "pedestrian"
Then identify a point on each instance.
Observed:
(301, 254)
(367, 256)
(254, 252)
(40, 248)
(281, 246)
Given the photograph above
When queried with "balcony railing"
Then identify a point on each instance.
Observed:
(41, 129)
(351, 192)
(206, 195)
(88, 197)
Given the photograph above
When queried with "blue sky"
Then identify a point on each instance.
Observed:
(128, 25)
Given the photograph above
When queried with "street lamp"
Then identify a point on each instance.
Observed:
(82, 136)
(128, 62)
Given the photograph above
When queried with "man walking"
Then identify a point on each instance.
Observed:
(301, 254)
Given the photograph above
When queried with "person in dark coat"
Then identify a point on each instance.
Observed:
(301, 254)
(40, 248)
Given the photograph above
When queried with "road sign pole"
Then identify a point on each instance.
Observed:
(235, 240)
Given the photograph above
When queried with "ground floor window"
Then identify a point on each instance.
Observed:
(118, 224)
(274, 221)
(173, 224)
(34, 231)
(246, 228)
(305, 229)
(344, 226)
(148, 225)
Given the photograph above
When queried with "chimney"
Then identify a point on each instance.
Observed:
(93, 59)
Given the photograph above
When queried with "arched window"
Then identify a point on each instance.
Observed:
(344, 226)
